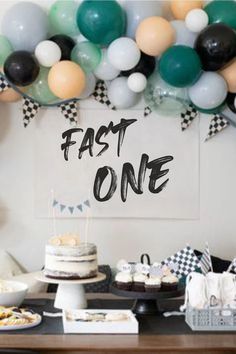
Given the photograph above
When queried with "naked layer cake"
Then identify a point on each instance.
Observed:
(67, 258)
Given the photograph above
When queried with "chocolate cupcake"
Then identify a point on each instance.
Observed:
(169, 283)
(153, 284)
(123, 281)
(139, 282)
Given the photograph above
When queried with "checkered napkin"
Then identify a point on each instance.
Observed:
(4, 85)
(100, 95)
(187, 117)
(30, 109)
(70, 111)
(217, 124)
(185, 259)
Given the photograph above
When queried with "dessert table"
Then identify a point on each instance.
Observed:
(157, 335)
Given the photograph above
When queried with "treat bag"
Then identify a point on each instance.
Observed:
(195, 291)
(228, 290)
(213, 281)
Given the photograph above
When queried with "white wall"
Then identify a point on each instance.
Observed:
(24, 236)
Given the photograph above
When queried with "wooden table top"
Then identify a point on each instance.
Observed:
(71, 344)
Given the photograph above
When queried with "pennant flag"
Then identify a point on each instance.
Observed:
(71, 209)
(62, 207)
(187, 117)
(147, 111)
(100, 95)
(217, 124)
(87, 202)
(70, 111)
(80, 207)
(232, 267)
(185, 259)
(30, 109)
(55, 202)
(205, 261)
(4, 85)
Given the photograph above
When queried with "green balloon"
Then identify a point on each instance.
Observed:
(87, 55)
(180, 66)
(39, 90)
(222, 11)
(5, 49)
(62, 17)
(101, 21)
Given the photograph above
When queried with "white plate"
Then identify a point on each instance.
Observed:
(26, 326)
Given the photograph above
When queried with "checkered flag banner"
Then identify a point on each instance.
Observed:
(4, 85)
(205, 261)
(187, 117)
(70, 111)
(232, 267)
(30, 109)
(185, 259)
(147, 111)
(100, 95)
(217, 124)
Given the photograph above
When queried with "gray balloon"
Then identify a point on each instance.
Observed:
(136, 11)
(25, 24)
(120, 95)
(183, 35)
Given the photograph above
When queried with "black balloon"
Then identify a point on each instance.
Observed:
(216, 46)
(65, 43)
(231, 100)
(21, 68)
(146, 66)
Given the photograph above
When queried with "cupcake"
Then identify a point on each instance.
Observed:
(170, 282)
(123, 281)
(139, 282)
(152, 285)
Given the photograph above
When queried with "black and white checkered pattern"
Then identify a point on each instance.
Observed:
(147, 111)
(30, 109)
(185, 259)
(70, 111)
(100, 95)
(217, 124)
(205, 261)
(187, 117)
(4, 85)
(232, 267)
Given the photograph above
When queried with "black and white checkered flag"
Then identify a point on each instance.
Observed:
(187, 117)
(205, 261)
(100, 95)
(4, 85)
(147, 111)
(70, 111)
(232, 267)
(217, 124)
(30, 109)
(185, 259)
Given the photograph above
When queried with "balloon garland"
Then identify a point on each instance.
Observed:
(186, 65)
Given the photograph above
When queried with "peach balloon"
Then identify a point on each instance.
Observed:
(181, 8)
(66, 79)
(229, 74)
(154, 35)
(10, 95)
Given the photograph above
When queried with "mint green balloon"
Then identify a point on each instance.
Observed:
(39, 90)
(5, 49)
(62, 17)
(87, 55)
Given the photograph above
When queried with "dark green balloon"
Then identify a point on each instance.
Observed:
(180, 66)
(101, 21)
(222, 11)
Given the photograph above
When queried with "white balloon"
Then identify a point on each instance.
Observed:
(137, 82)
(123, 53)
(183, 35)
(209, 91)
(196, 20)
(120, 95)
(47, 53)
(105, 70)
(89, 86)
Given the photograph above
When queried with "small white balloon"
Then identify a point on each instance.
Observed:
(89, 86)
(124, 53)
(105, 70)
(137, 82)
(196, 20)
(48, 53)
(183, 35)
(120, 95)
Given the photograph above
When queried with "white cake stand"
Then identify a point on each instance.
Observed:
(70, 293)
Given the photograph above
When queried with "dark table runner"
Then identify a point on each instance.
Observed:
(174, 325)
